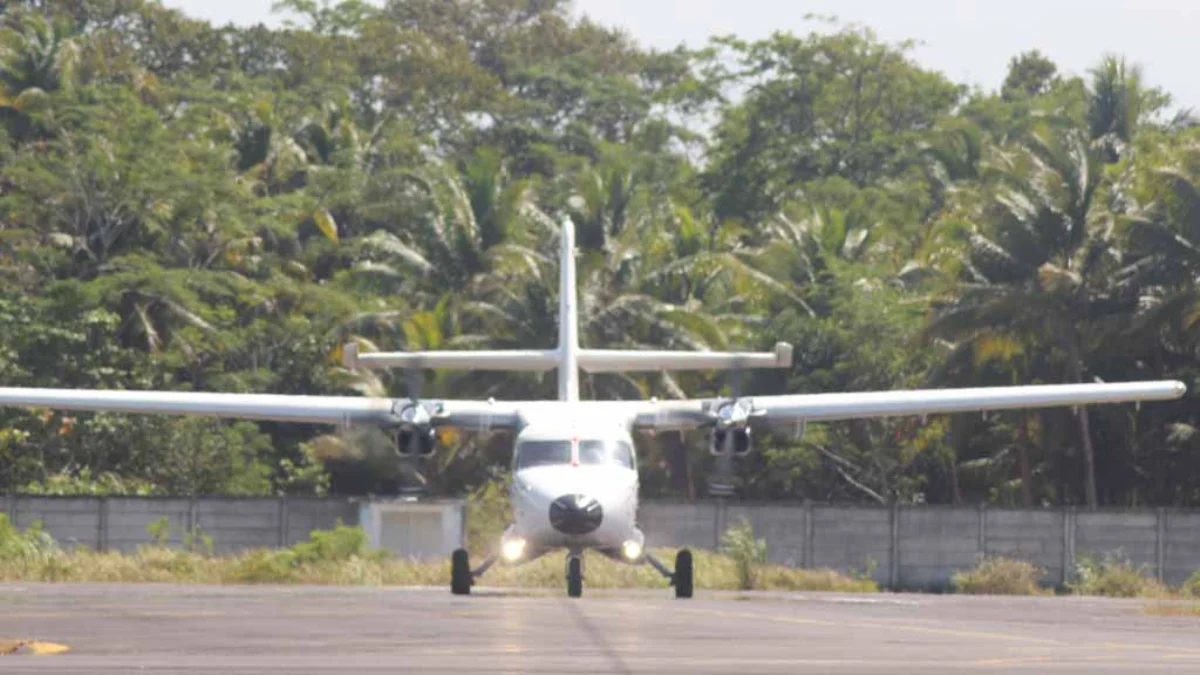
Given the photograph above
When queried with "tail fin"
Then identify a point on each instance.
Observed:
(568, 318)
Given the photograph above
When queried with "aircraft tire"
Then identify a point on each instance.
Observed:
(460, 572)
(574, 577)
(683, 574)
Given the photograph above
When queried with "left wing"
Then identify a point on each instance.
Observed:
(798, 408)
(340, 410)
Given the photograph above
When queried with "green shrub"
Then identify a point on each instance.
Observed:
(339, 544)
(489, 512)
(261, 566)
(1191, 587)
(747, 552)
(31, 545)
(159, 529)
(1001, 576)
(1113, 576)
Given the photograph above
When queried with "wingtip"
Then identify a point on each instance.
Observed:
(1179, 389)
(783, 354)
(350, 355)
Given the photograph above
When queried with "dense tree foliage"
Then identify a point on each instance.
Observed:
(188, 206)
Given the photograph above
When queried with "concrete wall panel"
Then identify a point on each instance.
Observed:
(931, 543)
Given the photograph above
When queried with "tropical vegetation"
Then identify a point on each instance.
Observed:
(219, 208)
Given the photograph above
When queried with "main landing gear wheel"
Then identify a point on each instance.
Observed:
(683, 574)
(574, 576)
(460, 573)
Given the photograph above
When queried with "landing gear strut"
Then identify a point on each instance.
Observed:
(574, 574)
(681, 578)
(462, 577)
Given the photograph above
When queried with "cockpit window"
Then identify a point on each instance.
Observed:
(606, 452)
(542, 453)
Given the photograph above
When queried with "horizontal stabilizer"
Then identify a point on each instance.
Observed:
(590, 360)
(521, 359)
(620, 361)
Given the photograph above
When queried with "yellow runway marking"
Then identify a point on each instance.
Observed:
(35, 647)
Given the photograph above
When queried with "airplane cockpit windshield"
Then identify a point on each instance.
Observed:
(592, 452)
(543, 453)
(606, 452)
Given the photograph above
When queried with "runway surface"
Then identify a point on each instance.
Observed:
(274, 629)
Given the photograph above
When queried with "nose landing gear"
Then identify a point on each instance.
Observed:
(574, 574)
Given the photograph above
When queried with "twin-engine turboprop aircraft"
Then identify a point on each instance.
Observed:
(575, 480)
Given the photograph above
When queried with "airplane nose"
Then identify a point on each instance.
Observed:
(575, 514)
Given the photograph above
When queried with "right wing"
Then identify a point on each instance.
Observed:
(799, 408)
(340, 410)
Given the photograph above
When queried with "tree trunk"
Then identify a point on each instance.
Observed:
(1023, 447)
(1089, 458)
(954, 487)
(1085, 427)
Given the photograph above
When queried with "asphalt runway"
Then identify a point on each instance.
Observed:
(149, 628)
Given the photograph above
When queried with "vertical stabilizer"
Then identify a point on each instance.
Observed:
(568, 318)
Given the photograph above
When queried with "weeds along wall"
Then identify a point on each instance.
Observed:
(900, 547)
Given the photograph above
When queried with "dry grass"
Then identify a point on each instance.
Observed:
(158, 564)
(341, 557)
(1001, 576)
(1173, 609)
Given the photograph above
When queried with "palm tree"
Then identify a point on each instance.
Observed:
(1117, 103)
(37, 56)
(476, 223)
(1040, 264)
(1164, 242)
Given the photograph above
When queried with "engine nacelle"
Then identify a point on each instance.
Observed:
(742, 441)
(416, 440)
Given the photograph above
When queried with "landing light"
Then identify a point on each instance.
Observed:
(513, 549)
(632, 550)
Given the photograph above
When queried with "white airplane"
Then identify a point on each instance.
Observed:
(575, 481)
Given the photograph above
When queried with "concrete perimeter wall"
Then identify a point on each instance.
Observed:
(234, 524)
(900, 547)
(921, 547)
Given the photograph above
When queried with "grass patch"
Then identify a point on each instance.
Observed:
(1191, 587)
(1001, 576)
(1115, 576)
(1173, 609)
(341, 556)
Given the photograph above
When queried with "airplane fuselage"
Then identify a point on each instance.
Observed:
(574, 486)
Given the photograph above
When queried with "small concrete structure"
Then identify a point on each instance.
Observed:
(424, 530)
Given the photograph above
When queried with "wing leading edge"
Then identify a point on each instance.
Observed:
(340, 410)
(795, 408)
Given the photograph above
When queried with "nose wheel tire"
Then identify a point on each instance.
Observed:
(574, 577)
(682, 579)
(460, 572)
